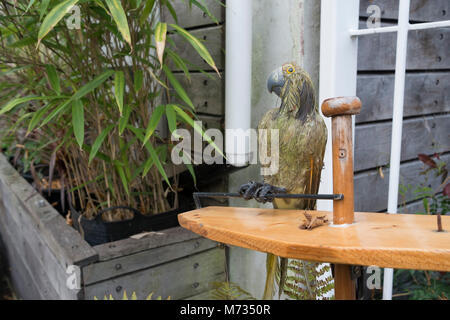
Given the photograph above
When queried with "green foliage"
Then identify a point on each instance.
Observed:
(98, 93)
(421, 285)
(229, 291)
(417, 284)
(308, 280)
(133, 297)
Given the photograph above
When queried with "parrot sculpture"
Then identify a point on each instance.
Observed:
(302, 140)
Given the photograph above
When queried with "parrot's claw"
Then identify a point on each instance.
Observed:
(261, 192)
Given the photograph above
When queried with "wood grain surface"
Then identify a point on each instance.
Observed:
(396, 241)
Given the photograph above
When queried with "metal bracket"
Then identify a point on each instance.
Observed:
(198, 195)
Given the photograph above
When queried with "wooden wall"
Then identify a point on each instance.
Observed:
(427, 103)
(205, 89)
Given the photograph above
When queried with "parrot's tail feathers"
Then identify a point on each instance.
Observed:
(272, 268)
(283, 275)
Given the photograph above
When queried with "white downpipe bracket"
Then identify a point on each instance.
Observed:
(397, 125)
(238, 80)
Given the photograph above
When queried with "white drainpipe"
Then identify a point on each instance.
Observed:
(238, 79)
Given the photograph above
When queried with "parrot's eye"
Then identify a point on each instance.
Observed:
(290, 70)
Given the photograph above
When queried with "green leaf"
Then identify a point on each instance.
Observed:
(87, 88)
(119, 16)
(123, 177)
(22, 42)
(138, 80)
(13, 103)
(55, 15)
(37, 116)
(197, 45)
(197, 128)
(78, 121)
(119, 87)
(171, 119)
(92, 85)
(178, 88)
(154, 120)
(29, 5)
(123, 121)
(179, 63)
(98, 142)
(53, 78)
(43, 8)
(160, 39)
(157, 162)
(146, 12)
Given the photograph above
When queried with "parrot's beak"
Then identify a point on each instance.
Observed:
(276, 81)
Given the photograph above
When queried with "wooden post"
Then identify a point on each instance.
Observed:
(341, 111)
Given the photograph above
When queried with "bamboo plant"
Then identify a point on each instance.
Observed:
(94, 97)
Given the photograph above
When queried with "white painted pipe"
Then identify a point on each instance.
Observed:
(397, 125)
(238, 82)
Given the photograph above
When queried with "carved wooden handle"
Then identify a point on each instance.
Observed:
(341, 106)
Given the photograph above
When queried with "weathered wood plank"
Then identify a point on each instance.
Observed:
(421, 10)
(63, 241)
(116, 267)
(131, 246)
(28, 278)
(25, 236)
(206, 94)
(194, 17)
(371, 190)
(214, 40)
(421, 135)
(177, 279)
(23, 283)
(427, 49)
(425, 93)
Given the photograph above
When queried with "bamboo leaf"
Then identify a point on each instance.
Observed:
(197, 128)
(123, 178)
(197, 45)
(87, 88)
(178, 87)
(171, 118)
(123, 121)
(160, 39)
(146, 12)
(138, 80)
(92, 85)
(55, 15)
(15, 102)
(119, 87)
(158, 163)
(78, 121)
(154, 120)
(53, 78)
(37, 116)
(43, 8)
(119, 16)
(98, 142)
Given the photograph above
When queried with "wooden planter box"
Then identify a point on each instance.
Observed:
(40, 247)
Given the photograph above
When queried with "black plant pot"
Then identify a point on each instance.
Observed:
(98, 231)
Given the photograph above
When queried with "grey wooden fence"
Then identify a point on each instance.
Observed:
(427, 103)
